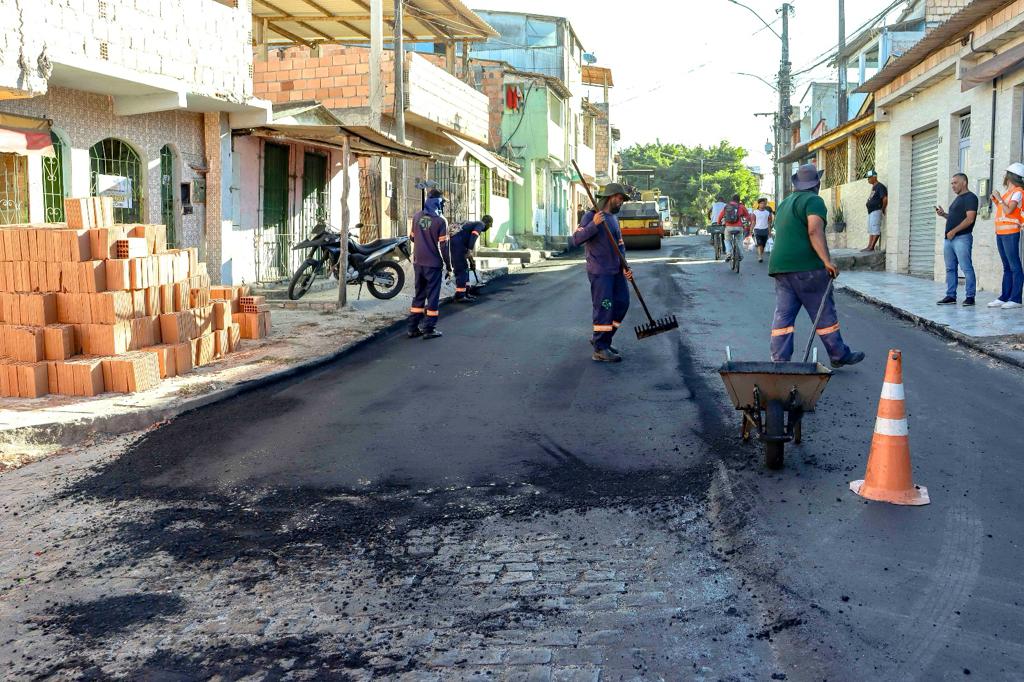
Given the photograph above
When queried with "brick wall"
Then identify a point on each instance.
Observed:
(602, 137)
(938, 11)
(339, 78)
(82, 119)
(202, 43)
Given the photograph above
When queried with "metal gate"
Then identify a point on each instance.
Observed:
(167, 213)
(275, 237)
(53, 182)
(13, 189)
(117, 166)
(924, 179)
(452, 180)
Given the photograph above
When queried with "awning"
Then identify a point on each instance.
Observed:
(798, 153)
(486, 158)
(362, 140)
(24, 135)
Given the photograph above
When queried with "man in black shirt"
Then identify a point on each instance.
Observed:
(878, 202)
(959, 239)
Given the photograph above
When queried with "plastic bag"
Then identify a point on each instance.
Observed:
(748, 243)
(769, 244)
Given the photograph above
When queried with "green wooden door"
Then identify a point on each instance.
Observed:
(314, 191)
(275, 209)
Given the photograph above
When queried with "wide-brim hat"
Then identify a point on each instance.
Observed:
(807, 177)
(611, 189)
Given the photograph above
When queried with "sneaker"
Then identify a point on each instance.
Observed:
(948, 300)
(998, 303)
(605, 355)
(851, 358)
(1010, 305)
(969, 301)
(432, 334)
(414, 333)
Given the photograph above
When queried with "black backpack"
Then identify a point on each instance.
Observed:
(732, 212)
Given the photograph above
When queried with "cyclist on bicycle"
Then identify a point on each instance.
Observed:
(735, 217)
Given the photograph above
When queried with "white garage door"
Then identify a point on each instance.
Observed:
(924, 184)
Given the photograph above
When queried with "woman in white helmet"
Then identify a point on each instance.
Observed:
(1009, 216)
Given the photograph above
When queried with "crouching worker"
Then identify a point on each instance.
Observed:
(462, 244)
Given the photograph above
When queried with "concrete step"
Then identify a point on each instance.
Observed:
(855, 259)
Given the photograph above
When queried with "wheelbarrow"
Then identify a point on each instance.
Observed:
(774, 396)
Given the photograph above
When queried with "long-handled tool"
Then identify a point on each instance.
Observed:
(653, 326)
(817, 318)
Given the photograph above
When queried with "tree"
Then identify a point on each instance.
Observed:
(677, 173)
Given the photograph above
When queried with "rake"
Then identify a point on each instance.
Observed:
(653, 327)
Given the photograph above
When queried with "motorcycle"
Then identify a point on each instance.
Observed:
(377, 264)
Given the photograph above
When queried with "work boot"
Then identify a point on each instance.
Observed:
(948, 300)
(471, 297)
(851, 358)
(413, 333)
(432, 334)
(605, 355)
(614, 350)
(462, 299)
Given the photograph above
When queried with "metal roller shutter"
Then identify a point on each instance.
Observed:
(924, 185)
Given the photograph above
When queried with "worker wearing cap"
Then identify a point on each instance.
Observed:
(462, 243)
(429, 234)
(608, 289)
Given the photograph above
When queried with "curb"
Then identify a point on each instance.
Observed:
(939, 329)
(65, 434)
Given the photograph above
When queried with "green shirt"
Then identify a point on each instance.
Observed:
(792, 250)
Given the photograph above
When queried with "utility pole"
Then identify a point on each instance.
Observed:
(784, 99)
(400, 183)
(702, 175)
(844, 107)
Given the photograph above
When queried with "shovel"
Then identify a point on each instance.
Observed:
(653, 326)
(817, 318)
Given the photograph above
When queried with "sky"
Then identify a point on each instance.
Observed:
(675, 61)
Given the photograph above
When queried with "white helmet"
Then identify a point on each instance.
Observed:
(1016, 168)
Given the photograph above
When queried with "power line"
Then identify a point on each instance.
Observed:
(830, 53)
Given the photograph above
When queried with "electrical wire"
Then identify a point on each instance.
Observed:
(831, 52)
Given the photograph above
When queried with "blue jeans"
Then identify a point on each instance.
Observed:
(1013, 272)
(957, 251)
(795, 290)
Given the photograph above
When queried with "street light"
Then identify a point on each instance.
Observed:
(740, 73)
(766, 24)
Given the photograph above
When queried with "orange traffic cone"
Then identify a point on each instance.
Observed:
(888, 477)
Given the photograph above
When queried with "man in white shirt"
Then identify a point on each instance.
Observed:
(763, 218)
(716, 210)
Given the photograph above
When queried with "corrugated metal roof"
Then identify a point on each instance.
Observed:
(348, 21)
(957, 26)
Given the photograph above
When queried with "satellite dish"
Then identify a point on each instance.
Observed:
(589, 57)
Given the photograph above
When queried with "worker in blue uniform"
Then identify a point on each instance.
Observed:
(462, 243)
(608, 288)
(429, 234)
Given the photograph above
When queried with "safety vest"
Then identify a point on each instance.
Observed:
(1009, 224)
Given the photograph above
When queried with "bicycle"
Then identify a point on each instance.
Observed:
(737, 251)
(718, 240)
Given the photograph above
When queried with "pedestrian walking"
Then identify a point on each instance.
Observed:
(763, 218)
(801, 265)
(462, 244)
(877, 205)
(1008, 225)
(959, 242)
(429, 234)
(734, 216)
(609, 293)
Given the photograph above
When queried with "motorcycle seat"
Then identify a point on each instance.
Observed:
(367, 249)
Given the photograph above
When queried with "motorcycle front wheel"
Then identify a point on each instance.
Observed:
(387, 279)
(302, 280)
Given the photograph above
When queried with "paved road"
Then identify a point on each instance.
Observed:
(495, 503)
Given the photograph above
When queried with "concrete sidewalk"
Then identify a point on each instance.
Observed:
(995, 332)
(305, 335)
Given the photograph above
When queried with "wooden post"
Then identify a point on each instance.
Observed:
(449, 56)
(400, 182)
(376, 54)
(346, 162)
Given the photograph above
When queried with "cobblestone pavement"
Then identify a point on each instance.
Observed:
(518, 582)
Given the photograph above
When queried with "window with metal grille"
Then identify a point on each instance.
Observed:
(53, 182)
(13, 189)
(964, 158)
(865, 153)
(836, 169)
(499, 186)
(116, 171)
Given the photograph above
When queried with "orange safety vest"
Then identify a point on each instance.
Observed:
(1009, 224)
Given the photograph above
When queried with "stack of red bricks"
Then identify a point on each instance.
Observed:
(89, 307)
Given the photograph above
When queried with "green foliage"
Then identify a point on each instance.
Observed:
(677, 172)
